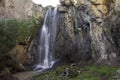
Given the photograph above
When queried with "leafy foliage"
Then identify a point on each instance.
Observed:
(27, 30)
(15, 31)
(8, 34)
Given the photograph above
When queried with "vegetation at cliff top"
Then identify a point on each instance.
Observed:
(90, 72)
(14, 31)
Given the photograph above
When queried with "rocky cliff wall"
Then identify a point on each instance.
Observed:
(85, 31)
(21, 9)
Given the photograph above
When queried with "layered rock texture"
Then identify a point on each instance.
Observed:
(21, 9)
(86, 31)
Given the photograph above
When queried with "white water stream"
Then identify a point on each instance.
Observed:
(46, 45)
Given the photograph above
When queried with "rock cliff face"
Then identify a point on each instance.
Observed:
(85, 31)
(21, 9)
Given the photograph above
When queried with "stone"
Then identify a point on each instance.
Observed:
(63, 9)
(19, 53)
(19, 9)
(66, 2)
(116, 75)
(62, 2)
(84, 32)
(117, 5)
(74, 2)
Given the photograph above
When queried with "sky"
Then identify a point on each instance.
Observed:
(46, 2)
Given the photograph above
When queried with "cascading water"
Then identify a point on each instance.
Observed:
(47, 39)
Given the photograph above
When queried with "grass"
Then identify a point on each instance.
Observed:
(106, 70)
(89, 72)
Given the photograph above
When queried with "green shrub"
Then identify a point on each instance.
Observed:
(8, 34)
(27, 30)
(15, 31)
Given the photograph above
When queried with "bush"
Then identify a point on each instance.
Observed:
(27, 30)
(8, 34)
(15, 31)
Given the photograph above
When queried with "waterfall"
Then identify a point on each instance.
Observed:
(47, 39)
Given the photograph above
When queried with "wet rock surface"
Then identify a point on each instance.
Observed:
(85, 32)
